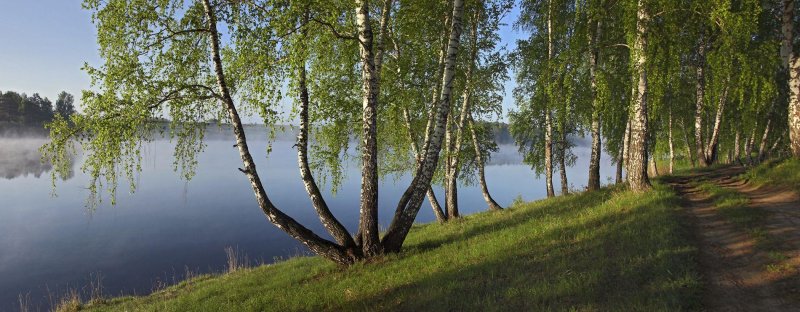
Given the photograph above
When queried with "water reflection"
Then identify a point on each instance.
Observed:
(20, 157)
(49, 244)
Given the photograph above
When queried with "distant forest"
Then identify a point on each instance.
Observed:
(20, 112)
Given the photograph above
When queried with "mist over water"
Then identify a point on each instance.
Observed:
(168, 226)
(21, 157)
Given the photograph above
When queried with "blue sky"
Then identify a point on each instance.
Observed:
(45, 43)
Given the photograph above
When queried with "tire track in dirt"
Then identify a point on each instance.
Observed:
(734, 269)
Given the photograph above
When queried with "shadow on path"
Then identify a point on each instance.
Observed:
(736, 271)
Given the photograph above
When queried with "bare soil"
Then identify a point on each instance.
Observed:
(739, 275)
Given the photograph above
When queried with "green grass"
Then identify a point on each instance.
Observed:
(610, 250)
(784, 173)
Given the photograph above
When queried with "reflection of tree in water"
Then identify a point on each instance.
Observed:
(21, 157)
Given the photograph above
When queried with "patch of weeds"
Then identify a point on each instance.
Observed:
(777, 256)
(779, 264)
(778, 268)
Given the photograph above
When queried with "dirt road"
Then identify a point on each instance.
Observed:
(739, 274)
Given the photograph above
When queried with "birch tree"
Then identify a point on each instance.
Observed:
(170, 58)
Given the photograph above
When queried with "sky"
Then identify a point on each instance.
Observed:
(45, 43)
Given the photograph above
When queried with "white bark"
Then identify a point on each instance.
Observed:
(368, 222)
(562, 153)
(594, 161)
(455, 139)
(317, 244)
(481, 163)
(748, 148)
(713, 143)
(737, 145)
(411, 200)
(762, 147)
(548, 122)
(334, 227)
(437, 209)
(791, 62)
(700, 153)
(626, 141)
(637, 158)
(671, 144)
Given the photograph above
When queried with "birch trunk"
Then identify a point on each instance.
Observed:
(450, 189)
(637, 160)
(410, 202)
(368, 222)
(671, 144)
(774, 147)
(317, 244)
(594, 161)
(334, 227)
(455, 145)
(626, 141)
(699, 146)
(437, 87)
(748, 149)
(791, 62)
(736, 146)
(713, 143)
(437, 209)
(548, 122)
(481, 172)
(418, 154)
(548, 154)
(562, 166)
(620, 162)
(794, 107)
(762, 147)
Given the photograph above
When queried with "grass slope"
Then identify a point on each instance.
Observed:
(601, 251)
(785, 173)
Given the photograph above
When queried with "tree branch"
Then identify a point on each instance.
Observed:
(334, 31)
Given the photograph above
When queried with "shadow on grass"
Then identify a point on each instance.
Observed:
(628, 254)
(507, 218)
(610, 250)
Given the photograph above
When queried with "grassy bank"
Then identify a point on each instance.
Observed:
(782, 173)
(601, 251)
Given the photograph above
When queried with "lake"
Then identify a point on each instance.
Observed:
(168, 227)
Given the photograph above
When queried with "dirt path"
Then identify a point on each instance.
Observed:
(738, 275)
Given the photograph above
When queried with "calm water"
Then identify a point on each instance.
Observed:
(168, 226)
